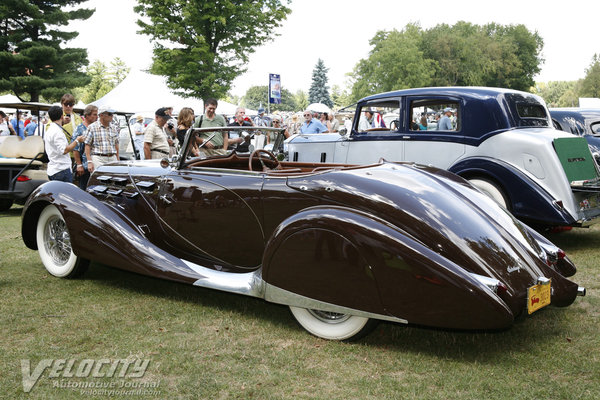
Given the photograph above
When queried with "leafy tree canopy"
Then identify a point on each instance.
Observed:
(460, 55)
(33, 59)
(104, 78)
(319, 90)
(590, 87)
(256, 96)
(201, 46)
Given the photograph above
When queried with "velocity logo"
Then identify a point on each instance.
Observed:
(62, 368)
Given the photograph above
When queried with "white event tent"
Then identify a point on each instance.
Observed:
(144, 93)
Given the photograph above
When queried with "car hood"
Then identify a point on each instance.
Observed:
(441, 211)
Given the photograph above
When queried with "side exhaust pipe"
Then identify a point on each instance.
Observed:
(580, 291)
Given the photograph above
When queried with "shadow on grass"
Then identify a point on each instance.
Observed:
(148, 286)
(15, 211)
(527, 335)
(581, 238)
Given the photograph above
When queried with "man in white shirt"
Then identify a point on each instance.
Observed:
(57, 148)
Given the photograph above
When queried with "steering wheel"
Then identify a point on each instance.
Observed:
(269, 159)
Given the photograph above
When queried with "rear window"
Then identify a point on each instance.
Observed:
(434, 115)
(531, 110)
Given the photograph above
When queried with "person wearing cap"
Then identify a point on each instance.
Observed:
(102, 140)
(31, 126)
(138, 131)
(57, 148)
(260, 119)
(156, 144)
(82, 174)
(312, 125)
(445, 123)
(218, 144)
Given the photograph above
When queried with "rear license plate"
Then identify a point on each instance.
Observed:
(538, 296)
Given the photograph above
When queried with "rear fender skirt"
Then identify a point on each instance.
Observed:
(528, 200)
(99, 233)
(356, 260)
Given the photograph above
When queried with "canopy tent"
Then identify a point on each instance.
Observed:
(144, 93)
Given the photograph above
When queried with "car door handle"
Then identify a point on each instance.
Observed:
(166, 200)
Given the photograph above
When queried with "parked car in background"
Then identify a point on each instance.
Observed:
(584, 122)
(500, 140)
(341, 245)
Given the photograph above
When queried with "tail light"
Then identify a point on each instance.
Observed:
(492, 283)
(23, 178)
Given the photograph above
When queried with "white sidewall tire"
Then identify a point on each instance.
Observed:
(344, 330)
(491, 190)
(49, 214)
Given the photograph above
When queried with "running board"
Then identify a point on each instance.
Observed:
(252, 284)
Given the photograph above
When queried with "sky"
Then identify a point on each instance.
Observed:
(338, 32)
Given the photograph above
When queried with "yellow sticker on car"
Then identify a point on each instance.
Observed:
(538, 296)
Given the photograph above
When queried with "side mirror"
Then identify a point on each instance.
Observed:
(343, 131)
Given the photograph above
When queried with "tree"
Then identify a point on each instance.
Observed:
(103, 78)
(201, 46)
(118, 71)
(558, 93)
(395, 62)
(340, 97)
(256, 96)
(590, 87)
(301, 99)
(33, 59)
(463, 54)
(319, 91)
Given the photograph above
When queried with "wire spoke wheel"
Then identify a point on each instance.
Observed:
(54, 245)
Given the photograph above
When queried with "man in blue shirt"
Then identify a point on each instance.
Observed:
(31, 126)
(445, 123)
(18, 124)
(311, 125)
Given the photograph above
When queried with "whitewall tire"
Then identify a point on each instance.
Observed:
(491, 190)
(54, 245)
(333, 326)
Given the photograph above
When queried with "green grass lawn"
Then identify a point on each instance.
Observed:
(208, 344)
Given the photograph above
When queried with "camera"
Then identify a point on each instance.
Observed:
(170, 125)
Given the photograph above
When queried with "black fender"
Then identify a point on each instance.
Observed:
(528, 201)
(100, 233)
(354, 259)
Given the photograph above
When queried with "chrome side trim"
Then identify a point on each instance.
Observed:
(285, 297)
(248, 284)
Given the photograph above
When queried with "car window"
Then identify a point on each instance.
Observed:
(595, 128)
(434, 115)
(381, 115)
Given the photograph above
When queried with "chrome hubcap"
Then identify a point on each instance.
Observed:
(329, 317)
(57, 241)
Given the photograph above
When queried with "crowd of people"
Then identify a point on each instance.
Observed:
(76, 144)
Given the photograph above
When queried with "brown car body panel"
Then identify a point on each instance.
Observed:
(389, 239)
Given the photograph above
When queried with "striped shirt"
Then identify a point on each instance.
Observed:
(102, 140)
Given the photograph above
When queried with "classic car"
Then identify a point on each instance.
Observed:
(583, 122)
(500, 140)
(343, 246)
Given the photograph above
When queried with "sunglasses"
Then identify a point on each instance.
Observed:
(307, 115)
(69, 104)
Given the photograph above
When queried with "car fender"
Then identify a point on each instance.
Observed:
(370, 265)
(527, 199)
(99, 232)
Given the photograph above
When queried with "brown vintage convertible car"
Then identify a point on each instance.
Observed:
(342, 246)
